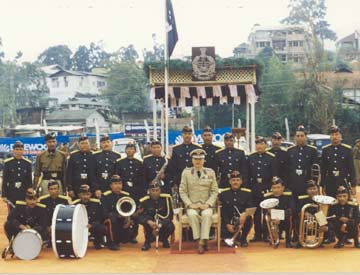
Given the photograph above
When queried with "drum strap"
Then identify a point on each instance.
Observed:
(108, 225)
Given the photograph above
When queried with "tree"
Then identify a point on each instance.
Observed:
(128, 54)
(311, 14)
(85, 59)
(157, 53)
(126, 90)
(60, 55)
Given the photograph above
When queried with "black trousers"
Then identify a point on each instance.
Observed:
(225, 234)
(12, 231)
(98, 231)
(260, 228)
(115, 231)
(167, 228)
(352, 231)
(287, 226)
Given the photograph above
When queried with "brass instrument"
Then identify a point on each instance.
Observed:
(236, 223)
(310, 234)
(160, 173)
(273, 228)
(126, 207)
(316, 173)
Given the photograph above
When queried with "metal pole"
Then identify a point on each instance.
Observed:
(162, 125)
(154, 120)
(252, 105)
(233, 116)
(247, 122)
(287, 129)
(166, 84)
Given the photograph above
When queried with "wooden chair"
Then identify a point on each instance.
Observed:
(183, 222)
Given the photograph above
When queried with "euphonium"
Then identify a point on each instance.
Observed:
(126, 207)
(310, 234)
(273, 228)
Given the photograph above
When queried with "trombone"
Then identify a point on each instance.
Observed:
(231, 241)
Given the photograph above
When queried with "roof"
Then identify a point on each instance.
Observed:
(349, 38)
(344, 80)
(278, 27)
(86, 101)
(71, 115)
(75, 73)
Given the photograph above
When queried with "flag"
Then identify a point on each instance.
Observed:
(170, 28)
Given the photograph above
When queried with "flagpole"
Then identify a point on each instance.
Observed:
(166, 82)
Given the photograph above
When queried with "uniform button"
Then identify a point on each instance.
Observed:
(335, 154)
(301, 148)
(230, 152)
(334, 161)
(131, 161)
(335, 148)
(157, 159)
(19, 168)
(18, 162)
(84, 159)
(105, 171)
(187, 153)
(229, 157)
(187, 160)
(84, 165)
(300, 154)
(230, 163)
(130, 167)
(258, 168)
(107, 158)
(299, 166)
(106, 164)
(131, 173)
(259, 161)
(19, 175)
(260, 155)
(300, 160)
(258, 175)
(157, 165)
(335, 168)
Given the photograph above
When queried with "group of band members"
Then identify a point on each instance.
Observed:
(197, 173)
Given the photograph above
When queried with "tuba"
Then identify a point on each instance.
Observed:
(310, 234)
(126, 207)
(273, 228)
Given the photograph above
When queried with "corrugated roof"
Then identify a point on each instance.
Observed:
(85, 101)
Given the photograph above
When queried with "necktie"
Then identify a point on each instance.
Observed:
(199, 174)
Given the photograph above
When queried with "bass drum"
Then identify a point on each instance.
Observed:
(69, 232)
(27, 244)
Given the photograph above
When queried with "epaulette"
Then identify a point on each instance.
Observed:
(268, 194)
(352, 203)
(283, 148)
(73, 152)
(41, 205)
(106, 193)
(270, 154)
(246, 189)
(44, 197)
(177, 145)
(217, 147)
(326, 146)
(303, 197)
(238, 149)
(165, 195)
(224, 189)
(75, 201)
(118, 159)
(144, 198)
(26, 159)
(346, 145)
(291, 147)
(253, 153)
(64, 197)
(8, 159)
(218, 151)
(198, 145)
(20, 203)
(147, 156)
(61, 152)
(116, 152)
(97, 152)
(288, 193)
(95, 200)
(311, 146)
(125, 193)
(138, 160)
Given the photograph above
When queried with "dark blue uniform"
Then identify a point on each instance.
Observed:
(210, 159)
(152, 166)
(16, 178)
(80, 170)
(51, 203)
(281, 158)
(105, 168)
(337, 166)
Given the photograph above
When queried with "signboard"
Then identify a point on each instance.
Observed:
(203, 64)
(138, 130)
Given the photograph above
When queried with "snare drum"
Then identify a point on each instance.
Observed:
(69, 231)
(27, 244)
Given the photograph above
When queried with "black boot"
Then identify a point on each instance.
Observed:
(166, 243)
(356, 243)
(256, 239)
(339, 244)
(146, 246)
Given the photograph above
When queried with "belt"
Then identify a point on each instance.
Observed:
(48, 175)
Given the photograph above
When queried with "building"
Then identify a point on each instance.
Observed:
(348, 48)
(64, 84)
(85, 101)
(86, 118)
(288, 42)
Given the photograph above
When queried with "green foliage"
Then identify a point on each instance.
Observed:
(87, 58)
(60, 55)
(127, 88)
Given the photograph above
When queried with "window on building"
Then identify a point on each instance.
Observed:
(282, 57)
(66, 82)
(81, 81)
(55, 82)
(100, 84)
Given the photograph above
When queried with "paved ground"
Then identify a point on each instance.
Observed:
(258, 257)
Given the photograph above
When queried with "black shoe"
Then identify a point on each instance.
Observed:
(97, 246)
(356, 245)
(255, 239)
(166, 244)
(288, 245)
(146, 246)
(49, 245)
(266, 239)
(114, 247)
(244, 243)
(327, 241)
(339, 244)
(134, 241)
(348, 241)
(297, 245)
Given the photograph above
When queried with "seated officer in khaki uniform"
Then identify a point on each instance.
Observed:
(198, 190)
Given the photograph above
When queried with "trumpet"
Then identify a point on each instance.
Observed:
(126, 207)
(310, 233)
(273, 228)
(238, 225)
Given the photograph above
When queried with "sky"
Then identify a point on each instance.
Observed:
(31, 26)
